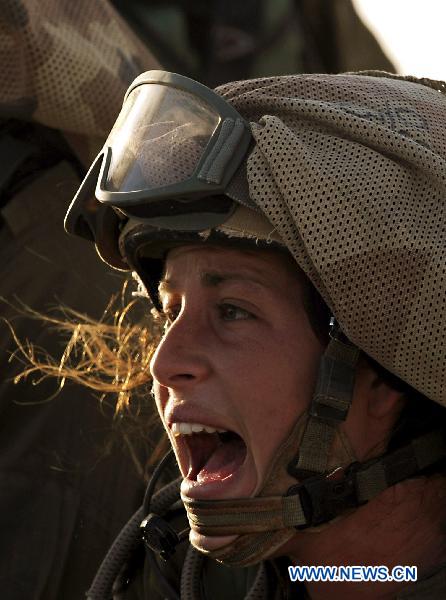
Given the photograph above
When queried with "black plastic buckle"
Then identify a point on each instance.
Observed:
(324, 498)
(159, 536)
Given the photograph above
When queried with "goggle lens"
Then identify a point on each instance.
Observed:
(158, 138)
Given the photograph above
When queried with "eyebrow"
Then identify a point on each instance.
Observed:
(213, 279)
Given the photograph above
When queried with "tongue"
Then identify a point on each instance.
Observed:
(224, 461)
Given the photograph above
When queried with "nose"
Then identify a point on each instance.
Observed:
(181, 358)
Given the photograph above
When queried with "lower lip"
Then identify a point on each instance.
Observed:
(239, 484)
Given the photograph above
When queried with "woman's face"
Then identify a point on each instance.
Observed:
(235, 368)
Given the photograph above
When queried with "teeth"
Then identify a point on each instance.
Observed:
(190, 428)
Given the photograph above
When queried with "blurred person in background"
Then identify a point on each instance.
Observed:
(63, 467)
(225, 40)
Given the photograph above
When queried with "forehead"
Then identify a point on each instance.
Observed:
(211, 265)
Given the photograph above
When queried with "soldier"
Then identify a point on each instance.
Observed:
(291, 232)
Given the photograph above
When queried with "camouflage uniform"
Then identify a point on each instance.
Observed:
(65, 67)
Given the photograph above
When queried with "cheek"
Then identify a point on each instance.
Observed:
(161, 396)
(276, 385)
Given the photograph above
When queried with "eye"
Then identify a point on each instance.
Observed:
(230, 312)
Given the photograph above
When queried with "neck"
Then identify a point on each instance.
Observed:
(404, 525)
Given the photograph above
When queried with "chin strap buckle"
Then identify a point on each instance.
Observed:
(324, 497)
(158, 536)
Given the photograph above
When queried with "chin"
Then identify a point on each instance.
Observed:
(208, 543)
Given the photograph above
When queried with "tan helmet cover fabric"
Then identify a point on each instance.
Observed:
(350, 169)
(66, 64)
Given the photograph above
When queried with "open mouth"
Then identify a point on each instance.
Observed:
(212, 454)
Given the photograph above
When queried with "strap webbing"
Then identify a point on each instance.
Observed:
(329, 406)
(399, 465)
(247, 515)
(315, 447)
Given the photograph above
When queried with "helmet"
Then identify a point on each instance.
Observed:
(345, 172)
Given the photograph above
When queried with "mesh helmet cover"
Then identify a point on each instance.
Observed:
(350, 169)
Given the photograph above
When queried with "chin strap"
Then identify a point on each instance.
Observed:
(319, 498)
(329, 406)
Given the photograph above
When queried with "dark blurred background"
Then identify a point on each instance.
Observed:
(217, 41)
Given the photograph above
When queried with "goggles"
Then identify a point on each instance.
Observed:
(170, 160)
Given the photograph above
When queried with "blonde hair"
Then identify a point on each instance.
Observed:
(110, 356)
